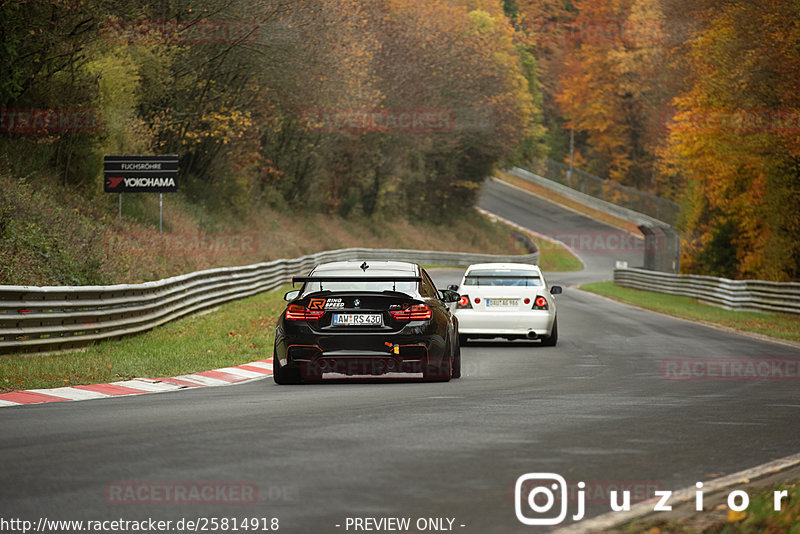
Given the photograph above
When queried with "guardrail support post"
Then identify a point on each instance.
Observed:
(650, 246)
(662, 248)
(671, 253)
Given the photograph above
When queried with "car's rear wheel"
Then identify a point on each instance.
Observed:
(285, 376)
(552, 339)
(457, 361)
(439, 372)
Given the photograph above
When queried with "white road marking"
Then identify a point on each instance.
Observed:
(147, 385)
(263, 365)
(244, 373)
(203, 380)
(71, 393)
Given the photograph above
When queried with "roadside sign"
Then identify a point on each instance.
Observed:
(140, 174)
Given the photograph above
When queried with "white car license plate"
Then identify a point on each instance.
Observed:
(502, 303)
(356, 319)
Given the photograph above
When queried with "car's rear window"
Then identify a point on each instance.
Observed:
(497, 277)
(363, 284)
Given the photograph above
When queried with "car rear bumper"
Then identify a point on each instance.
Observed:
(505, 323)
(361, 364)
(354, 355)
(400, 359)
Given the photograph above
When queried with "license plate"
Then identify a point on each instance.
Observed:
(356, 319)
(502, 303)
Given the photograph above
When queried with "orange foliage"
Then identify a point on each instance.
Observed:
(732, 140)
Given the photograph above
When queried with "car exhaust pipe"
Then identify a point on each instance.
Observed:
(531, 334)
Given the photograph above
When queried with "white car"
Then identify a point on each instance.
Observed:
(509, 300)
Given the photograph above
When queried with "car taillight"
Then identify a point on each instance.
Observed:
(527, 300)
(417, 312)
(540, 303)
(463, 302)
(296, 312)
(477, 300)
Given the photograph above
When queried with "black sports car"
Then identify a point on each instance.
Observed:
(357, 318)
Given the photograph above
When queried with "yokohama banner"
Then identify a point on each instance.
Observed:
(140, 174)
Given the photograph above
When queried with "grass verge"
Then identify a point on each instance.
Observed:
(236, 333)
(548, 194)
(554, 257)
(50, 235)
(777, 325)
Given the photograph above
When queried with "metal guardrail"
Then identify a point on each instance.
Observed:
(35, 319)
(628, 197)
(662, 243)
(754, 295)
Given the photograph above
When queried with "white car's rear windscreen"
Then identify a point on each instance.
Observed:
(496, 277)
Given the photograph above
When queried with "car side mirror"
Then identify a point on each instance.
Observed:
(452, 287)
(555, 290)
(448, 295)
(291, 295)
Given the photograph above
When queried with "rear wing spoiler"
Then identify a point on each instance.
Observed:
(355, 279)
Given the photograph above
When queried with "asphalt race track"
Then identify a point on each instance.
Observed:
(595, 408)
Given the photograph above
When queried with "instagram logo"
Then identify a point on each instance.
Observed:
(540, 491)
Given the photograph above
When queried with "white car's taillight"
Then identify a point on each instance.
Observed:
(540, 303)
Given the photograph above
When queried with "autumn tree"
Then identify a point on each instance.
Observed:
(610, 88)
(447, 59)
(735, 139)
(235, 87)
(544, 29)
(44, 49)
